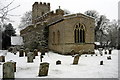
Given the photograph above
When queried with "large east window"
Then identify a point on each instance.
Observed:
(79, 33)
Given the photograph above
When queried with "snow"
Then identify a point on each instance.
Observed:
(97, 43)
(88, 67)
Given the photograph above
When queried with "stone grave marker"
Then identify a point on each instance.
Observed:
(30, 57)
(105, 52)
(100, 50)
(76, 59)
(36, 52)
(21, 53)
(43, 70)
(101, 62)
(41, 56)
(72, 53)
(14, 63)
(27, 51)
(2, 58)
(42, 52)
(14, 50)
(58, 62)
(96, 54)
(109, 58)
(8, 70)
(110, 51)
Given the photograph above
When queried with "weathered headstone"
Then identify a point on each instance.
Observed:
(30, 57)
(14, 50)
(109, 57)
(21, 53)
(8, 70)
(2, 58)
(27, 51)
(58, 62)
(101, 54)
(101, 62)
(14, 63)
(43, 70)
(100, 50)
(41, 56)
(110, 51)
(105, 52)
(36, 52)
(76, 59)
(72, 53)
(43, 52)
(96, 54)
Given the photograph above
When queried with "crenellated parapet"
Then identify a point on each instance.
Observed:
(38, 9)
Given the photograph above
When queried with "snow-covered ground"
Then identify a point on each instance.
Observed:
(88, 67)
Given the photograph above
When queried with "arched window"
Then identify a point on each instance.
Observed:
(58, 34)
(79, 33)
(53, 37)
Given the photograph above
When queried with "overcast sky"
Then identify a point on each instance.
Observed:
(104, 7)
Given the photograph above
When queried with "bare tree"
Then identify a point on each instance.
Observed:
(4, 16)
(101, 23)
(26, 20)
(4, 13)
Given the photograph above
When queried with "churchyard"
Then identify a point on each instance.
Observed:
(25, 64)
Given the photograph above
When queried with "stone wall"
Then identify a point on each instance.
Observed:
(66, 28)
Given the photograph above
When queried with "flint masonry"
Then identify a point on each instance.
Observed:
(66, 32)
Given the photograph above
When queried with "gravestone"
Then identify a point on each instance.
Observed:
(58, 62)
(2, 58)
(8, 70)
(36, 52)
(110, 51)
(14, 63)
(43, 70)
(41, 56)
(76, 59)
(27, 51)
(109, 57)
(43, 52)
(101, 54)
(100, 50)
(30, 57)
(14, 50)
(21, 53)
(72, 53)
(105, 52)
(101, 62)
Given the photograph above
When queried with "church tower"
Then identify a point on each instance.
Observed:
(38, 9)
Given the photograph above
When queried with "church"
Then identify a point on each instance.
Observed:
(65, 32)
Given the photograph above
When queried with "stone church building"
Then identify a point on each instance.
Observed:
(66, 32)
